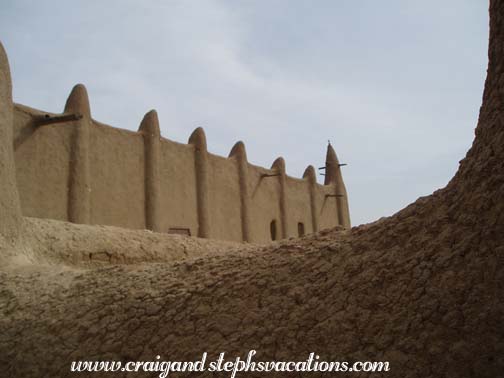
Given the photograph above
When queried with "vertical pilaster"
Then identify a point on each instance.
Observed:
(279, 166)
(10, 209)
(79, 187)
(310, 175)
(334, 177)
(198, 140)
(152, 135)
(238, 151)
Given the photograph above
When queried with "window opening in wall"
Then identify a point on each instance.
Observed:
(301, 231)
(273, 230)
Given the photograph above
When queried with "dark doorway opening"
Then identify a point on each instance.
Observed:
(301, 230)
(273, 230)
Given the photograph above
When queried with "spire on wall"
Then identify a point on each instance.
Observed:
(333, 176)
(331, 165)
(78, 101)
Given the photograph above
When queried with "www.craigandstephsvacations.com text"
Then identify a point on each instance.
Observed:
(233, 366)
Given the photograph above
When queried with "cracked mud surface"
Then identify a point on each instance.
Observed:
(422, 289)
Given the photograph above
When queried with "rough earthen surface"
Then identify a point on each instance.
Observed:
(422, 289)
(82, 246)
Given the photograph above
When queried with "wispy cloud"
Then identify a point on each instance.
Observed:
(395, 85)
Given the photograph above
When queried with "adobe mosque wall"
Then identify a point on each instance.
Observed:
(10, 210)
(72, 168)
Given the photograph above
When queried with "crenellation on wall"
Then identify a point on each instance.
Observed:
(142, 180)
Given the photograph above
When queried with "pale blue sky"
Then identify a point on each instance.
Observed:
(395, 85)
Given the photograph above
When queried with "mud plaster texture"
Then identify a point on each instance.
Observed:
(86, 172)
(10, 211)
(422, 289)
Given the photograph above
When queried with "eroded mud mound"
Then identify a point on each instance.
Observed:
(54, 242)
(422, 289)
